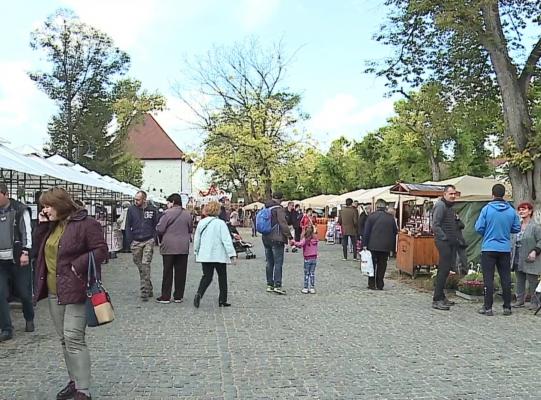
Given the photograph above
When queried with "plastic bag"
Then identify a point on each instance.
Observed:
(367, 267)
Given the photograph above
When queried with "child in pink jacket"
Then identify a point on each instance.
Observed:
(309, 248)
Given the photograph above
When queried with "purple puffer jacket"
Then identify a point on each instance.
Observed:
(82, 235)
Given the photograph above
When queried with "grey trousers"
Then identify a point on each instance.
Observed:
(532, 279)
(70, 324)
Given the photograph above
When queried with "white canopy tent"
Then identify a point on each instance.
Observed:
(317, 201)
(341, 199)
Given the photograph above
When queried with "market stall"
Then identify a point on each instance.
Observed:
(416, 249)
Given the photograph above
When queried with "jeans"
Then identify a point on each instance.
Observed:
(179, 264)
(345, 245)
(22, 280)
(532, 279)
(70, 324)
(274, 252)
(501, 260)
(310, 273)
(206, 279)
(379, 259)
(447, 260)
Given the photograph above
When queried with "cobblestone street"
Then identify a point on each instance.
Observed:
(345, 342)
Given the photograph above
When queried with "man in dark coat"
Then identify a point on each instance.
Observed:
(380, 238)
(348, 220)
(446, 235)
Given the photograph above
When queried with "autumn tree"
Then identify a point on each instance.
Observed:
(472, 47)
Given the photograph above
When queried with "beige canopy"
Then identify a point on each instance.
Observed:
(317, 201)
(251, 206)
(341, 199)
(472, 188)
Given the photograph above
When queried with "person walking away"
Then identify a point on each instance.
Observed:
(213, 248)
(122, 225)
(296, 217)
(496, 222)
(363, 216)
(525, 256)
(289, 219)
(141, 222)
(309, 245)
(234, 217)
(174, 230)
(64, 237)
(15, 247)
(252, 220)
(380, 238)
(348, 220)
(446, 235)
(274, 243)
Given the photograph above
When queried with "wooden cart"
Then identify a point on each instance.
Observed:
(415, 254)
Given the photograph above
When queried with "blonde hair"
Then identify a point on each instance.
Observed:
(212, 209)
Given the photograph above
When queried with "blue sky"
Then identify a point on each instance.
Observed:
(333, 38)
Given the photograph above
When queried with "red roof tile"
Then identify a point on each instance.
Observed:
(148, 141)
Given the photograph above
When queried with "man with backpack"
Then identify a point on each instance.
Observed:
(271, 223)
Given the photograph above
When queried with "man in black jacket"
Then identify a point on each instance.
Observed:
(141, 221)
(446, 236)
(380, 238)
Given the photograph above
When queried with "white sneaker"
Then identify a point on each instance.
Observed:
(313, 290)
(305, 291)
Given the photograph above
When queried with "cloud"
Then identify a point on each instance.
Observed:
(124, 20)
(254, 13)
(344, 115)
(21, 105)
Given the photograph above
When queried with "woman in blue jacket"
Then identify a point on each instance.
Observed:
(214, 249)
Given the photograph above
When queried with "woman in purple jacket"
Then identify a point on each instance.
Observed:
(174, 231)
(64, 238)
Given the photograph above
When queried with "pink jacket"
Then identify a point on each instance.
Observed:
(309, 248)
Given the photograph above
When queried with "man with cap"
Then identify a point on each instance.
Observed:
(380, 238)
(274, 243)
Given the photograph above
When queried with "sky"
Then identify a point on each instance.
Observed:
(331, 40)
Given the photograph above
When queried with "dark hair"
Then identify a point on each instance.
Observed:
(447, 187)
(498, 190)
(60, 200)
(349, 202)
(278, 195)
(175, 199)
(3, 188)
(308, 210)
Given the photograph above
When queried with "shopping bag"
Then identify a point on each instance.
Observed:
(367, 267)
(98, 307)
(538, 289)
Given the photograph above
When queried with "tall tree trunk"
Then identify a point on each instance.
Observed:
(517, 119)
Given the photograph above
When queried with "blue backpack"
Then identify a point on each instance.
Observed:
(263, 220)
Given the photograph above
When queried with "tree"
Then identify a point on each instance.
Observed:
(246, 105)
(84, 63)
(471, 47)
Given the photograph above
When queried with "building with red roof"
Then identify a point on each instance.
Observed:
(166, 168)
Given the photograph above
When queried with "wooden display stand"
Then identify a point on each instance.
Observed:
(415, 253)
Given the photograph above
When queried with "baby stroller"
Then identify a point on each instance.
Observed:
(240, 245)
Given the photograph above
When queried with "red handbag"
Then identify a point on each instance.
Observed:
(99, 309)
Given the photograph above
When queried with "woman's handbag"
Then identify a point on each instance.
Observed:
(99, 309)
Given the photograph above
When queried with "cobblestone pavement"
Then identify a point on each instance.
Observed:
(344, 342)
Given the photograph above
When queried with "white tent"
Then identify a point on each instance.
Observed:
(251, 206)
(317, 201)
(472, 188)
(341, 199)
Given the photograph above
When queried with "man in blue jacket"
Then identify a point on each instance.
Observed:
(497, 221)
(141, 221)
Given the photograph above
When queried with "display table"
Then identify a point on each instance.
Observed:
(415, 253)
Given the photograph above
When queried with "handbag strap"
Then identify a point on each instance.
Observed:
(92, 272)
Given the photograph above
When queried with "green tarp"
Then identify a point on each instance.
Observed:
(469, 212)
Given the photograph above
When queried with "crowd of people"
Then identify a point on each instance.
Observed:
(65, 236)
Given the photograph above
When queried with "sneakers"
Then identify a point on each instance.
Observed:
(507, 311)
(270, 288)
(344, 259)
(6, 335)
(484, 311)
(305, 291)
(68, 392)
(440, 305)
(279, 290)
(312, 291)
(163, 300)
(178, 300)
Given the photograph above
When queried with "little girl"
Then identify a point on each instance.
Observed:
(309, 248)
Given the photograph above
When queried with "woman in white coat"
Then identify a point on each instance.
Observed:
(214, 249)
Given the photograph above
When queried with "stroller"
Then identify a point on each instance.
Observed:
(240, 245)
